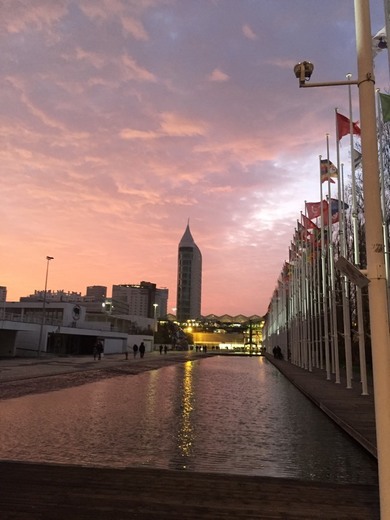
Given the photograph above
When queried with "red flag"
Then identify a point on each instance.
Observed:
(303, 233)
(343, 126)
(314, 208)
(307, 223)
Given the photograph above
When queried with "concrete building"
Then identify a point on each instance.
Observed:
(63, 328)
(3, 293)
(97, 292)
(53, 296)
(162, 302)
(139, 299)
(189, 278)
(95, 300)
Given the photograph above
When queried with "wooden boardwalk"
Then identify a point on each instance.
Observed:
(43, 492)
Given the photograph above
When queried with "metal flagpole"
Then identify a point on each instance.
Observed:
(302, 300)
(305, 336)
(356, 260)
(332, 285)
(313, 303)
(344, 279)
(295, 306)
(307, 299)
(319, 320)
(324, 275)
(345, 290)
(298, 301)
(313, 300)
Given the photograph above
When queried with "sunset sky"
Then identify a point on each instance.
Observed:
(122, 119)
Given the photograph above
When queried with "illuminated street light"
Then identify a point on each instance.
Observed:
(376, 272)
(155, 305)
(48, 258)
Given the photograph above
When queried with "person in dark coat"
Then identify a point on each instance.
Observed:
(142, 349)
(135, 350)
(100, 349)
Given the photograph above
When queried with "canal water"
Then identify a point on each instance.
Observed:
(227, 415)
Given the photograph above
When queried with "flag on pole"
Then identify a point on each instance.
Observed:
(334, 211)
(379, 42)
(307, 223)
(287, 272)
(343, 126)
(356, 157)
(315, 237)
(314, 208)
(334, 217)
(385, 104)
(303, 233)
(291, 253)
(334, 205)
(328, 170)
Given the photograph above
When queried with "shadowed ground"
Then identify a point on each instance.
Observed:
(33, 492)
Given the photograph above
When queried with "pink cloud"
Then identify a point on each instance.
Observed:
(121, 120)
(218, 75)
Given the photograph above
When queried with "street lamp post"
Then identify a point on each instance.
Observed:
(376, 272)
(48, 258)
(155, 305)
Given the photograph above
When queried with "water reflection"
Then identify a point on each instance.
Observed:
(221, 415)
(186, 431)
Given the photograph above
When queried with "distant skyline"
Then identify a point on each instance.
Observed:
(122, 119)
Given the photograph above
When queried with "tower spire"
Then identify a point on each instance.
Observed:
(189, 282)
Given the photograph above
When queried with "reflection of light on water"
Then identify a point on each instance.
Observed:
(151, 393)
(260, 373)
(186, 433)
(227, 415)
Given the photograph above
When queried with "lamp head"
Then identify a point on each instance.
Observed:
(50, 258)
(303, 71)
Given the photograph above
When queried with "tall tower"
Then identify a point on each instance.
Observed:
(189, 278)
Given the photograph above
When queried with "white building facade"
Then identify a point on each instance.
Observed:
(61, 328)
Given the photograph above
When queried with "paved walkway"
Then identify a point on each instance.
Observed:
(13, 369)
(352, 411)
(22, 376)
(35, 492)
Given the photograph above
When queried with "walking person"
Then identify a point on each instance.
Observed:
(161, 349)
(142, 349)
(135, 350)
(165, 349)
(100, 349)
